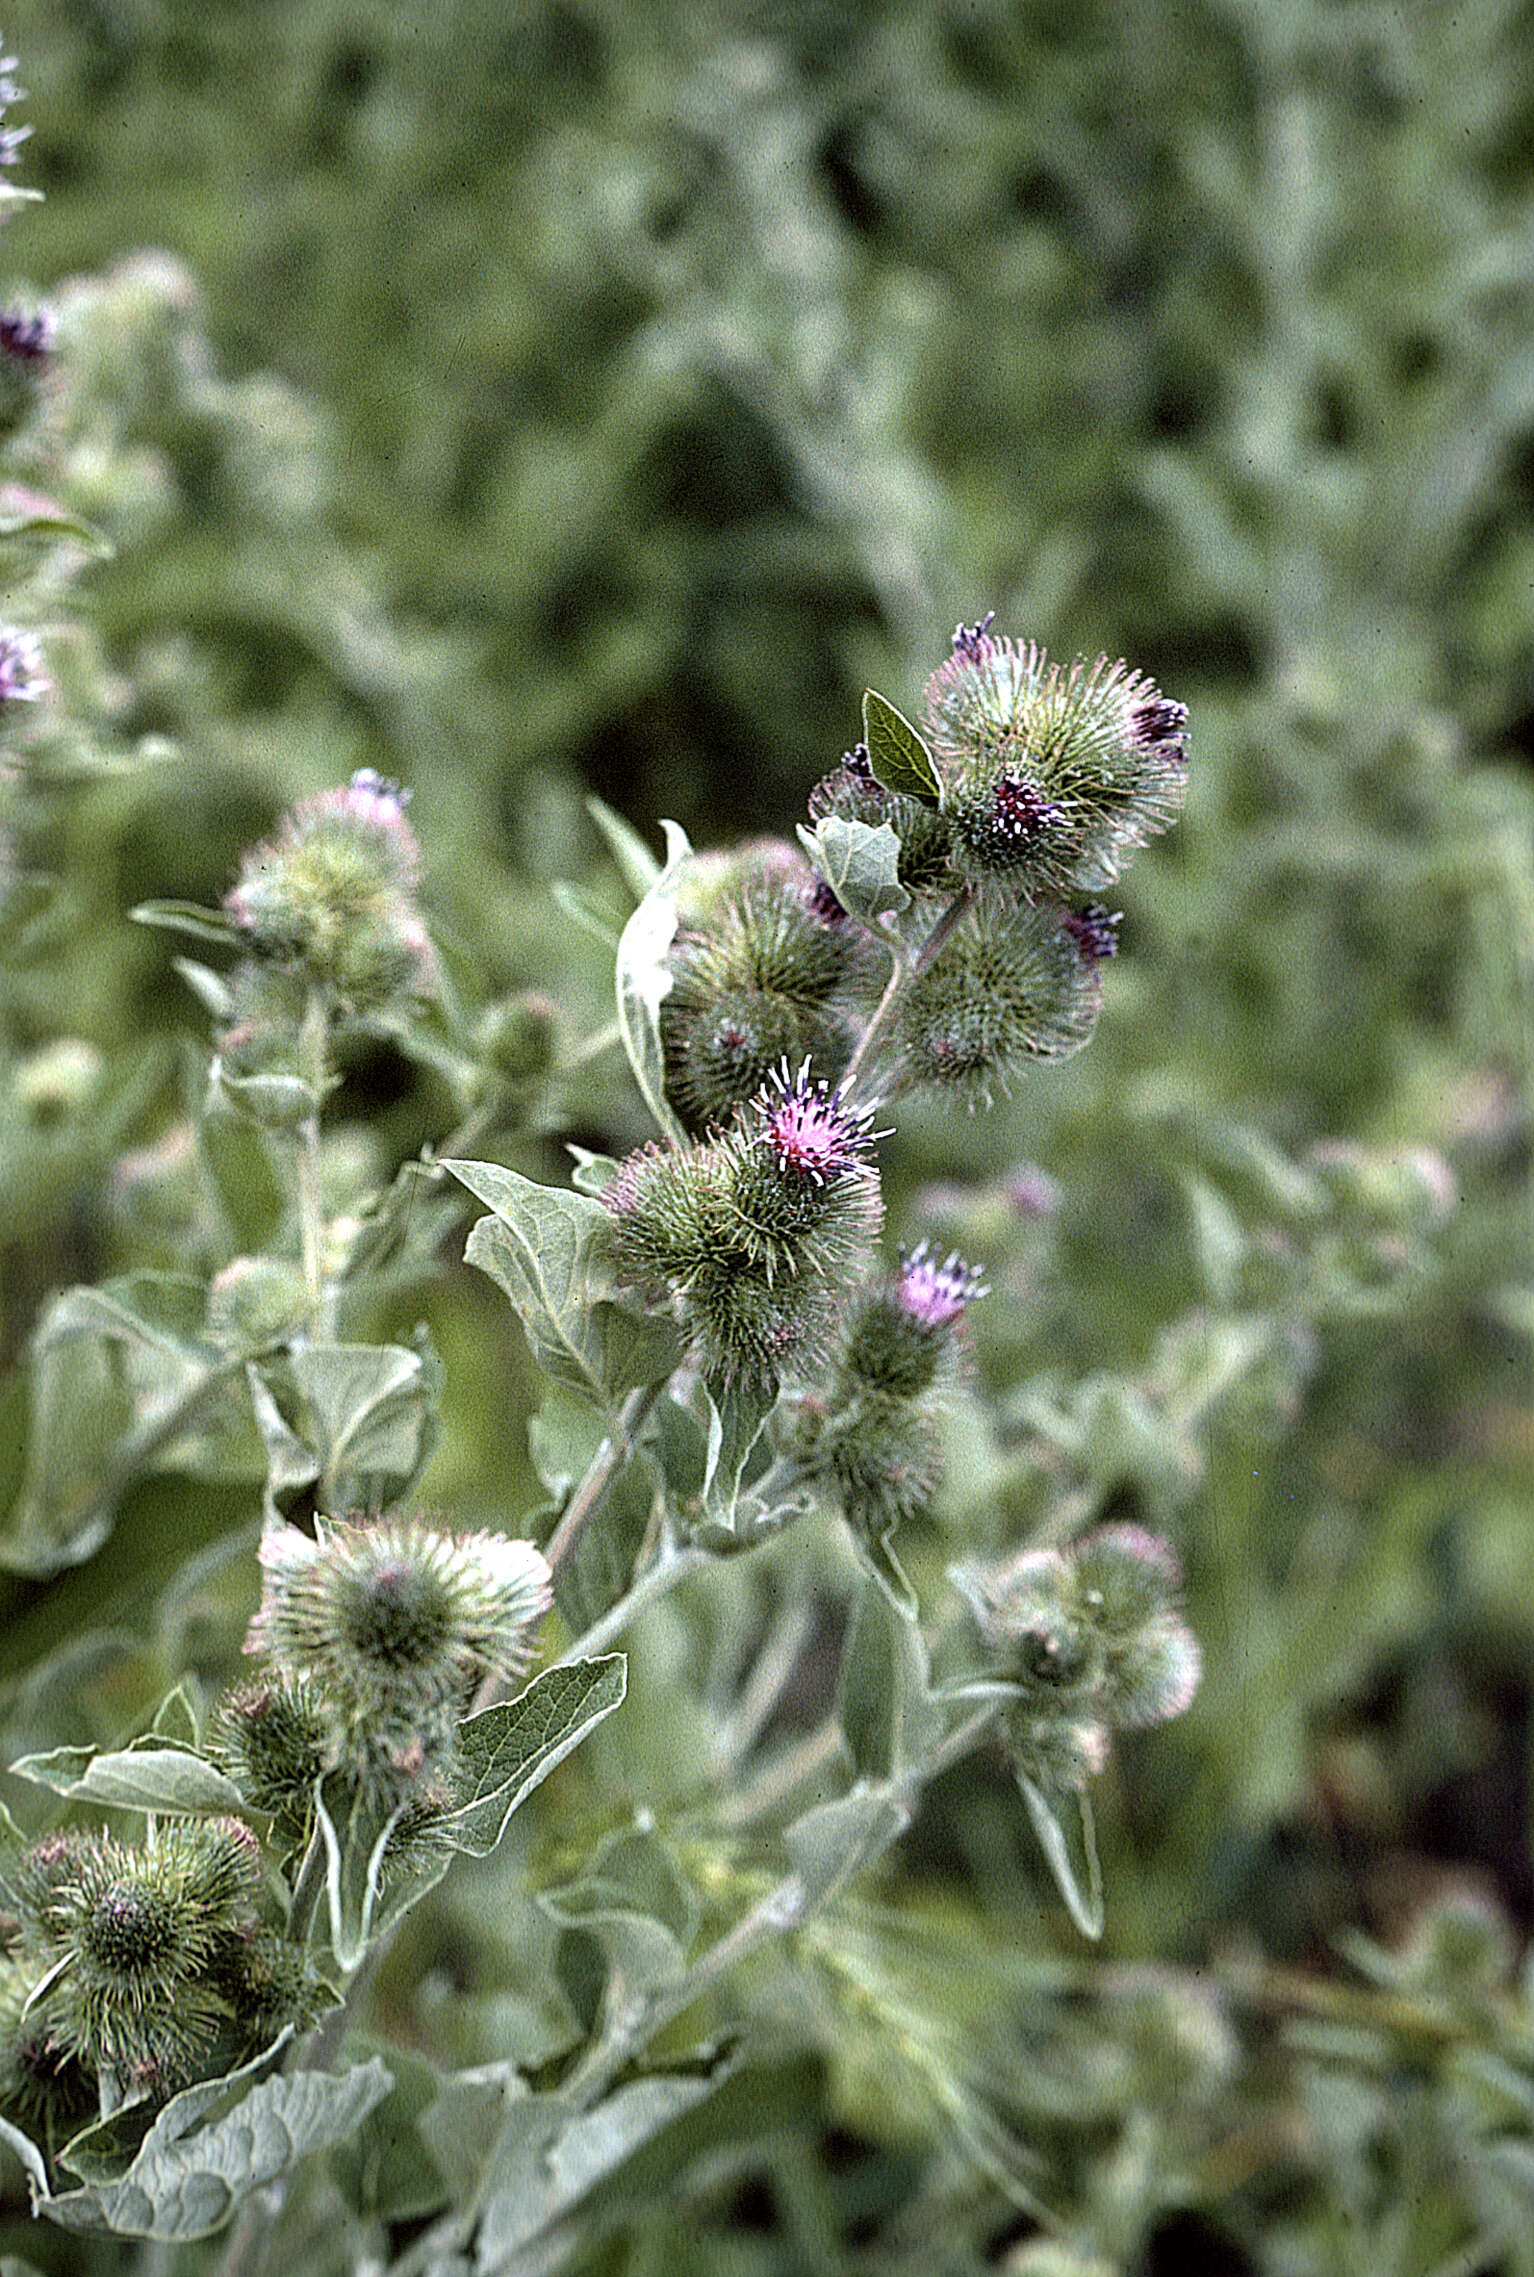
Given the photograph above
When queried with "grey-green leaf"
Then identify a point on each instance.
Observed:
(187, 2179)
(510, 1749)
(737, 1411)
(644, 979)
(860, 863)
(553, 1252)
(899, 758)
(168, 1779)
(1084, 1904)
(829, 1843)
(189, 917)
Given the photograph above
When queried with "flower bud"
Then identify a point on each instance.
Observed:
(1061, 1754)
(758, 1234)
(1125, 1576)
(1153, 1675)
(851, 792)
(1010, 987)
(1051, 777)
(273, 1739)
(760, 976)
(256, 1301)
(332, 895)
(519, 1037)
(391, 1619)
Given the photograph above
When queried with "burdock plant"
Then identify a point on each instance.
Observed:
(736, 1353)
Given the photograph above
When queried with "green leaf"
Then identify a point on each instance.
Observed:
(876, 1555)
(633, 857)
(175, 1720)
(644, 979)
(167, 1779)
(189, 2178)
(583, 908)
(828, 1844)
(383, 2169)
(633, 1903)
(56, 523)
(646, 2148)
(899, 758)
(508, 1750)
(1085, 1905)
(121, 1381)
(363, 1900)
(552, 1252)
(191, 918)
(882, 1687)
(860, 863)
(737, 1412)
(371, 1411)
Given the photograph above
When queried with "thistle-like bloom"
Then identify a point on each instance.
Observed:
(934, 1295)
(1093, 1636)
(759, 1234)
(23, 676)
(761, 972)
(1052, 777)
(26, 335)
(126, 1942)
(396, 1616)
(1013, 986)
(333, 894)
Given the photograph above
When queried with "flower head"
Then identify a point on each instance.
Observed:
(23, 675)
(933, 1295)
(332, 894)
(1052, 776)
(396, 1613)
(807, 1127)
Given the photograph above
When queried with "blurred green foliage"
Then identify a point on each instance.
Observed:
(530, 399)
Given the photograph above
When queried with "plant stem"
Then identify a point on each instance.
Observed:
(314, 1062)
(661, 1578)
(603, 1468)
(903, 971)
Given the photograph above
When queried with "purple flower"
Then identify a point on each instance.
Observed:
(807, 1127)
(26, 336)
(1094, 930)
(972, 642)
(936, 1295)
(22, 675)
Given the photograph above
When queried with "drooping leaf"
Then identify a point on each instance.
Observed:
(632, 1902)
(860, 863)
(897, 755)
(360, 1420)
(510, 1749)
(169, 1779)
(829, 1843)
(188, 2179)
(383, 2168)
(191, 918)
(737, 1413)
(644, 979)
(553, 1253)
(121, 1380)
(881, 1693)
(637, 2151)
(364, 1891)
(1084, 1904)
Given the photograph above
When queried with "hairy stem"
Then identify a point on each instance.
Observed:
(603, 1468)
(904, 970)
